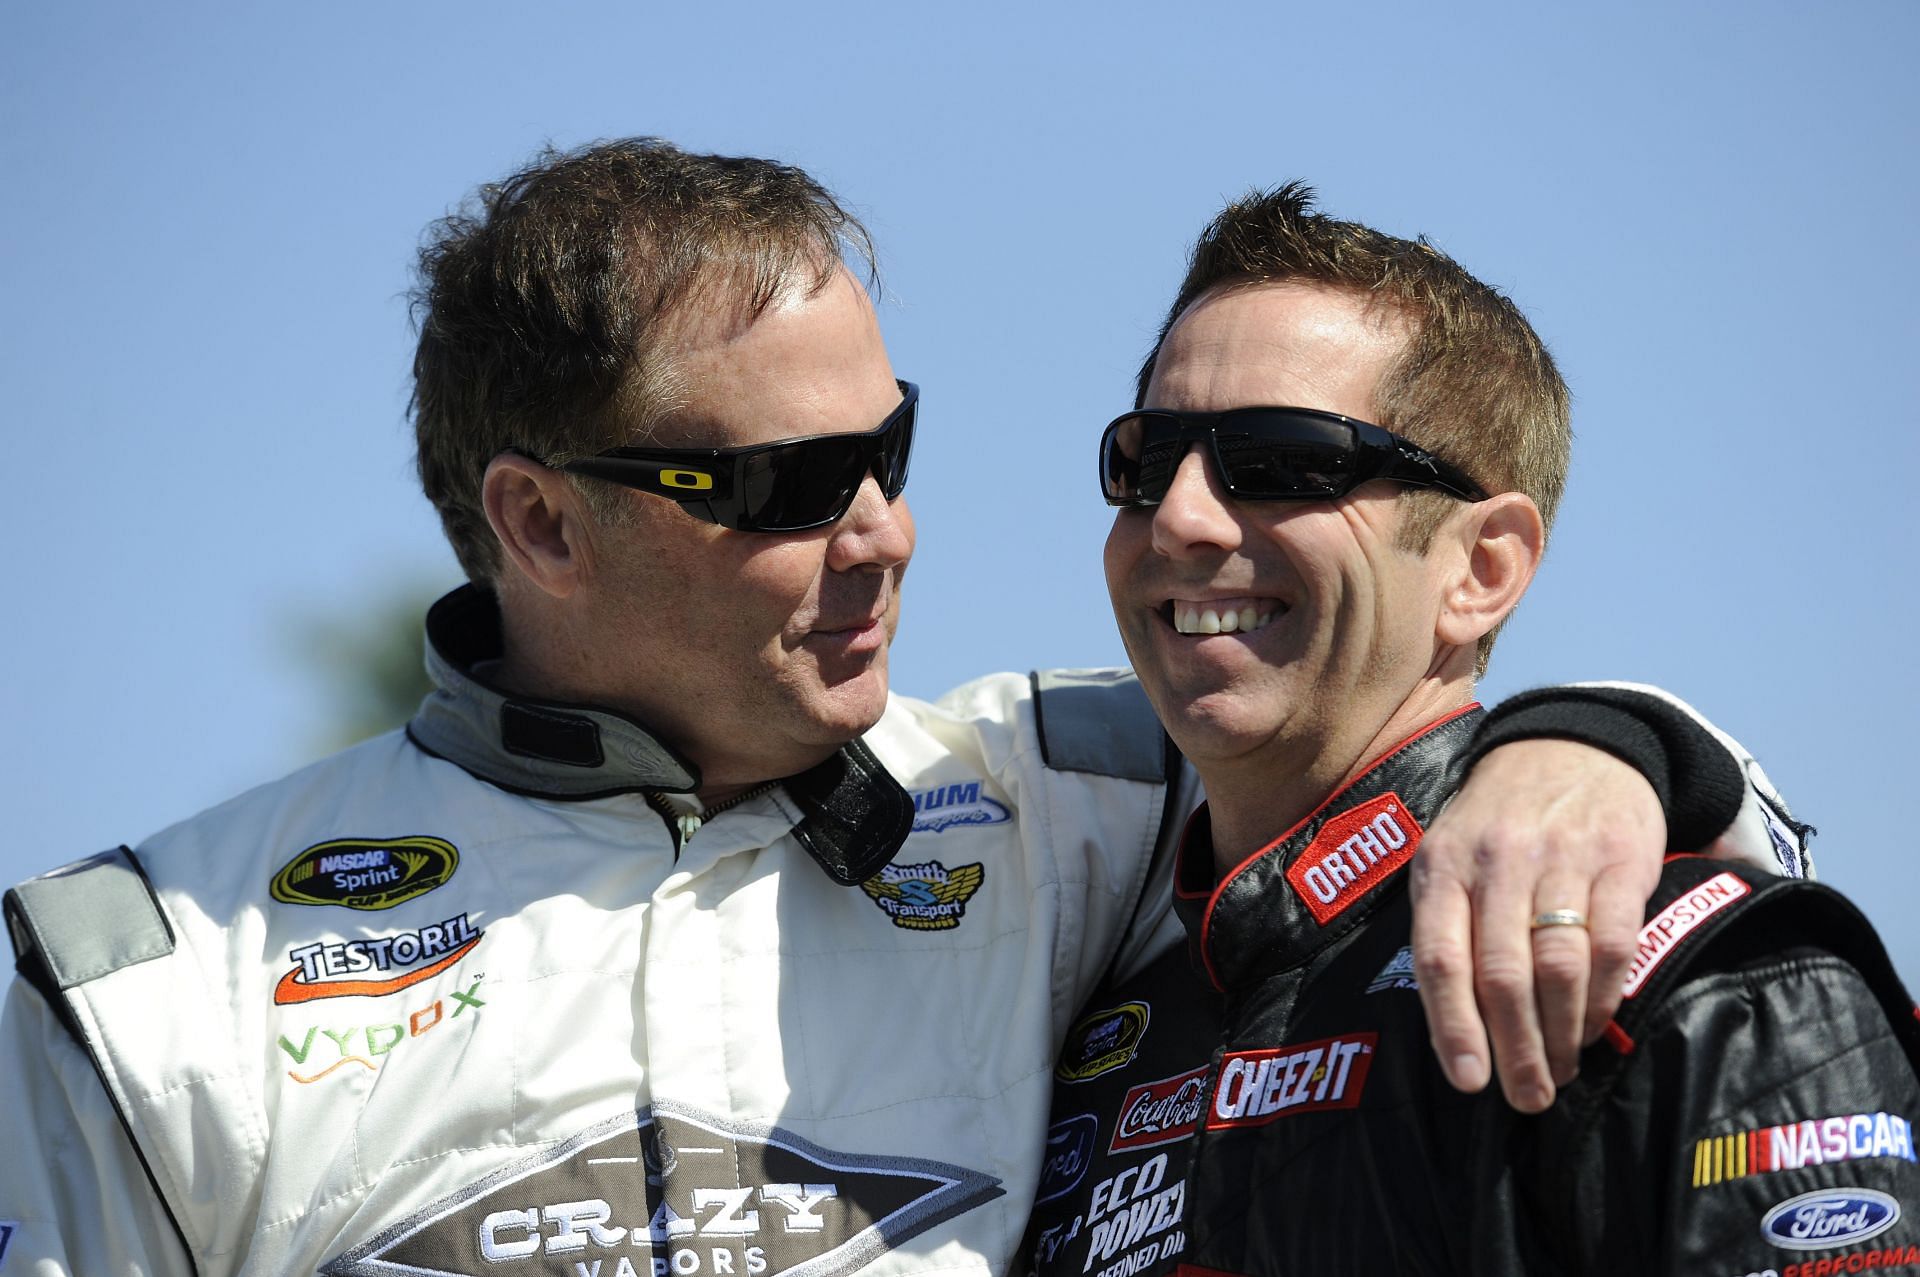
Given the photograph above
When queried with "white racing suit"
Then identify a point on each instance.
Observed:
(462, 1000)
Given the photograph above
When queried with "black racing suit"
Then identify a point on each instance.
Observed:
(1278, 1110)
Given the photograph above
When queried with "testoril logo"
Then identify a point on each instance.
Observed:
(1353, 853)
(356, 968)
(362, 873)
(670, 1192)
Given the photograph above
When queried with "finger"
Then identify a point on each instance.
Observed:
(1562, 968)
(1614, 913)
(1503, 962)
(1443, 967)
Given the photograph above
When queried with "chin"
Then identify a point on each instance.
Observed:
(842, 711)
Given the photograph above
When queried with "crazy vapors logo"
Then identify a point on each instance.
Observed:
(672, 1192)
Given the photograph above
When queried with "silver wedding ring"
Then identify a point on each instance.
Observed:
(1559, 918)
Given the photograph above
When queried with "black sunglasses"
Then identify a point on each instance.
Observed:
(1266, 454)
(786, 486)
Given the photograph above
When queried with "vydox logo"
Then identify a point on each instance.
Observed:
(1836, 1217)
(1069, 1153)
(947, 807)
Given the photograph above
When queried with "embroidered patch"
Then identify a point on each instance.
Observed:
(1162, 1112)
(1792, 1145)
(342, 969)
(363, 1044)
(362, 873)
(1397, 974)
(1103, 1041)
(1353, 853)
(670, 1190)
(955, 806)
(929, 897)
(1068, 1154)
(1831, 1217)
(1670, 926)
(1256, 1087)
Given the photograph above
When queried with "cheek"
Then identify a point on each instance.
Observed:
(1126, 541)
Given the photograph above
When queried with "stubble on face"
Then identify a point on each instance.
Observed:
(758, 654)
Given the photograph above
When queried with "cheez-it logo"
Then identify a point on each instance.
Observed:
(1353, 853)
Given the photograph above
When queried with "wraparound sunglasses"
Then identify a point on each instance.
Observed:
(789, 485)
(1267, 454)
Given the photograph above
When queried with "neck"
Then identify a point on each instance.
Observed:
(541, 660)
(1255, 798)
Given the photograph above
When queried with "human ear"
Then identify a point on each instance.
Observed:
(536, 514)
(1500, 540)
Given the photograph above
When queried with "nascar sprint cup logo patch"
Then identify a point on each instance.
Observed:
(361, 873)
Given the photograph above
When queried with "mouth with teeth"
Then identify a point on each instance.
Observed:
(1221, 616)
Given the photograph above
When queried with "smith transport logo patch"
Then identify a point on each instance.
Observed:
(673, 1191)
(1353, 853)
(362, 873)
(1792, 1145)
(1162, 1112)
(929, 897)
(1257, 1087)
(1670, 926)
(355, 968)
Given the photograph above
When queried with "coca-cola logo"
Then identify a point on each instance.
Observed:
(1835, 1217)
(1161, 1112)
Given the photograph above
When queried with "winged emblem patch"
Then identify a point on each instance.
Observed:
(929, 897)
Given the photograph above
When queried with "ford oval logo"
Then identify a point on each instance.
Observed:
(1838, 1217)
(1069, 1153)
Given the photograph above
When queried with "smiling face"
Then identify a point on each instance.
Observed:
(1278, 640)
(758, 654)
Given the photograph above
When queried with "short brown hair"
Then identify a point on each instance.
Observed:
(1474, 384)
(543, 303)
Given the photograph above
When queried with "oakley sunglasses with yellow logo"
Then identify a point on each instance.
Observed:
(789, 485)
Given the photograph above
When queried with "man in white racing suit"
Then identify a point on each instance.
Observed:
(663, 941)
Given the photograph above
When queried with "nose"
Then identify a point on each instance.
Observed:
(1196, 514)
(874, 533)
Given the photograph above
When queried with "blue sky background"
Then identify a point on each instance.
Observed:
(1708, 209)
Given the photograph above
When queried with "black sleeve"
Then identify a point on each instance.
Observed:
(1763, 1124)
(1697, 778)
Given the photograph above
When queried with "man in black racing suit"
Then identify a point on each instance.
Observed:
(1261, 1100)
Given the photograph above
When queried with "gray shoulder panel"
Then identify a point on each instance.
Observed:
(88, 919)
(1098, 721)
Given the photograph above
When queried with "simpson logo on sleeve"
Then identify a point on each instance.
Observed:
(1666, 929)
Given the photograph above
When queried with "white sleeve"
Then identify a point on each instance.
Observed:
(74, 1196)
